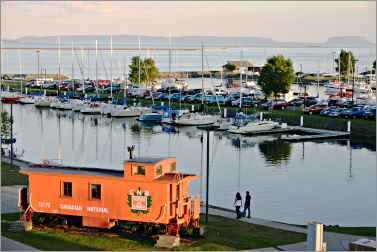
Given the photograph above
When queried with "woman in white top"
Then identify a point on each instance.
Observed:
(238, 204)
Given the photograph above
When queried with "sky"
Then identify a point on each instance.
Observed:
(304, 21)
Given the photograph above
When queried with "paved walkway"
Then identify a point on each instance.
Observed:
(9, 198)
(9, 245)
(335, 241)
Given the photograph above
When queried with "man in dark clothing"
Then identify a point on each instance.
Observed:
(247, 204)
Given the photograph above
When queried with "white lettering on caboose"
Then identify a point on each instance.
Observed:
(43, 204)
(71, 207)
(97, 209)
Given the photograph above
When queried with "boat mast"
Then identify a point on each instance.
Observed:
(139, 79)
(111, 67)
(20, 68)
(169, 68)
(202, 74)
(96, 83)
(59, 65)
(72, 65)
(72, 68)
(319, 66)
(241, 65)
(83, 71)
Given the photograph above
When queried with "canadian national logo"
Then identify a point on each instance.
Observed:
(139, 201)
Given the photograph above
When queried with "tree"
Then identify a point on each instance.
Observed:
(277, 76)
(148, 70)
(5, 125)
(347, 63)
(230, 67)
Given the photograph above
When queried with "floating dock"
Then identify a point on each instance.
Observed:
(314, 134)
(295, 133)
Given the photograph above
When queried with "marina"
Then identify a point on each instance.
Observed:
(259, 163)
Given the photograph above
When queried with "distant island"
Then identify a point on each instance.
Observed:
(131, 41)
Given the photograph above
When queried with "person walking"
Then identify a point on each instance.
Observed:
(238, 204)
(247, 204)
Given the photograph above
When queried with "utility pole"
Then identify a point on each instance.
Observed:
(207, 177)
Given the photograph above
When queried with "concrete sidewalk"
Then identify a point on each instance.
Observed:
(335, 241)
(9, 245)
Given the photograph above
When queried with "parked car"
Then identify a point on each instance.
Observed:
(215, 99)
(354, 112)
(315, 109)
(246, 102)
(335, 112)
(370, 113)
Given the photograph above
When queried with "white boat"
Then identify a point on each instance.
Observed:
(174, 83)
(91, 108)
(27, 100)
(254, 126)
(42, 102)
(77, 105)
(129, 112)
(196, 119)
(66, 105)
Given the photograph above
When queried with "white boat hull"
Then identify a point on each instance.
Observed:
(253, 127)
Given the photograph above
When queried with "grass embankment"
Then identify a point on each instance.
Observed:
(10, 175)
(221, 234)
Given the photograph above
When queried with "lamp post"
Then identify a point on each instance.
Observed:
(207, 128)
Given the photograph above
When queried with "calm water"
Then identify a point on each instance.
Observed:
(332, 182)
(311, 59)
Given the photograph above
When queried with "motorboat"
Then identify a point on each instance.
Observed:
(150, 117)
(91, 108)
(77, 105)
(29, 99)
(254, 126)
(195, 119)
(42, 102)
(129, 111)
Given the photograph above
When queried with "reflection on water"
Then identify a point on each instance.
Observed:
(332, 181)
(275, 152)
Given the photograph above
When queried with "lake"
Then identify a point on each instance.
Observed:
(330, 181)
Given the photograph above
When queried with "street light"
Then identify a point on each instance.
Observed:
(208, 128)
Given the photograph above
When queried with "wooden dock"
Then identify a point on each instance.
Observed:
(272, 131)
(299, 134)
(311, 134)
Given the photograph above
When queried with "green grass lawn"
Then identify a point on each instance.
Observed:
(221, 234)
(361, 231)
(10, 175)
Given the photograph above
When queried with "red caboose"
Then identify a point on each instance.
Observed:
(147, 190)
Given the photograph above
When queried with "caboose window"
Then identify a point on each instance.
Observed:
(173, 166)
(67, 189)
(140, 170)
(95, 191)
(159, 170)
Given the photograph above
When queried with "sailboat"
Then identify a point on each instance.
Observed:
(196, 119)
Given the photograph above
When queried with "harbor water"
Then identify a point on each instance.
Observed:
(330, 181)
